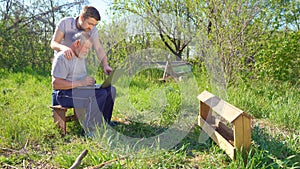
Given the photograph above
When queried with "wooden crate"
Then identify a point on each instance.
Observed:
(226, 124)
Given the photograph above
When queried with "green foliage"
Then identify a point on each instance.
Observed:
(168, 20)
(23, 50)
(227, 35)
(26, 30)
(279, 59)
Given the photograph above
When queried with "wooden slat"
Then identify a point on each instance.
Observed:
(247, 132)
(226, 110)
(59, 116)
(221, 141)
(242, 133)
(238, 129)
(205, 111)
(58, 107)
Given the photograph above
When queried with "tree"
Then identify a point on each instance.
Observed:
(241, 31)
(170, 19)
(26, 30)
(228, 35)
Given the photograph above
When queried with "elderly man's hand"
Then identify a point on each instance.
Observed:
(88, 81)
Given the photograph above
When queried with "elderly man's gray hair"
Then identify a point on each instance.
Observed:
(82, 36)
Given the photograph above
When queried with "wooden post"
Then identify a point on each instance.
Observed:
(59, 115)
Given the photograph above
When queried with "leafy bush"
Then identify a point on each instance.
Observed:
(279, 59)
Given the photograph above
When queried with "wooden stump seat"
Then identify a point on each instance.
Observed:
(60, 118)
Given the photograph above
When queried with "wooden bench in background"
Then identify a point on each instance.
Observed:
(176, 69)
(60, 118)
(172, 68)
(227, 125)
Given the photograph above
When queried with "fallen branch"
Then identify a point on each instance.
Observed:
(10, 150)
(78, 160)
(107, 162)
(10, 166)
(21, 151)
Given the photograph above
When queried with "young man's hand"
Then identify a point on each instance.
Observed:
(69, 54)
(107, 69)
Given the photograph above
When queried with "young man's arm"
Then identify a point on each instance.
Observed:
(101, 55)
(55, 44)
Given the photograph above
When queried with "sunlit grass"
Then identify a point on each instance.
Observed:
(29, 138)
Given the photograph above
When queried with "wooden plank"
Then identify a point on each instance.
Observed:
(219, 139)
(238, 130)
(59, 116)
(58, 107)
(165, 71)
(205, 111)
(224, 144)
(226, 110)
(226, 132)
(247, 132)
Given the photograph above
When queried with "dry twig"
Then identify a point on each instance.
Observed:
(79, 159)
(107, 162)
(10, 166)
(21, 151)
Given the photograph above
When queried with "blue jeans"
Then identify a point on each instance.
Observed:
(98, 103)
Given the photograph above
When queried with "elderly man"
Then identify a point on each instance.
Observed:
(68, 75)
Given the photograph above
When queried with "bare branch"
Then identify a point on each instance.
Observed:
(78, 160)
(40, 15)
(105, 163)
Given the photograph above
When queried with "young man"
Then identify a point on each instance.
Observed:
(67, 27)
(68, 75)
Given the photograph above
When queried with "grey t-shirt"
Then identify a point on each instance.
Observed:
(68, 27)
(71, 70)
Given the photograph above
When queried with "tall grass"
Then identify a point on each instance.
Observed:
(29, 139)
(279, 103)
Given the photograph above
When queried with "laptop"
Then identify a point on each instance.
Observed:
(105, 84)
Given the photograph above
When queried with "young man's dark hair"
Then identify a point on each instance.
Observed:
(89, 11)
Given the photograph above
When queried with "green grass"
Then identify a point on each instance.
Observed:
(29, 139)
(279, 103)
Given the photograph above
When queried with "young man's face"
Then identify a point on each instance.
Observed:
(87, 24)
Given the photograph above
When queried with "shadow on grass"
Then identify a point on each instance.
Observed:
(277, 150)
(276, 153)
(268, 150)
(188, 143)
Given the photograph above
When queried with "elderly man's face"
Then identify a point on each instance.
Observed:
(83, 49)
